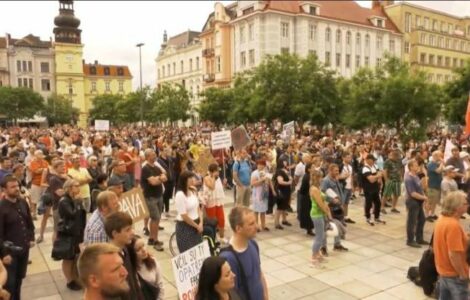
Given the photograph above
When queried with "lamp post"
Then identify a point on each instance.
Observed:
(139, 45)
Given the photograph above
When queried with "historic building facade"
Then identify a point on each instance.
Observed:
(433, 41)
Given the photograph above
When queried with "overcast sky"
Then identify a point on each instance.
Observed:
(111, 29)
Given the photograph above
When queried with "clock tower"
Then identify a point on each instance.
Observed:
(68, 60)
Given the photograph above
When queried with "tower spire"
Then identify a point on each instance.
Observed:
(66, 30)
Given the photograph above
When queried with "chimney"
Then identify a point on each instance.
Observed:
(96, 62)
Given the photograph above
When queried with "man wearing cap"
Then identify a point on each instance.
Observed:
(457, 163)
(415, 198)
(119, 173)
(372, 179)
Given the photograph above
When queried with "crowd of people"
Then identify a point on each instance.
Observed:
(77, 176)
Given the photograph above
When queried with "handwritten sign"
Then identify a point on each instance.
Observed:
(102, 125)
(205, 159)
(133, 203)
(288, 131)
(186, 268)
(240, 138)
(221, 140)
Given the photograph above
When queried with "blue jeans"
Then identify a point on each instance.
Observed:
(415, 220)
(320, 235)
(452, 288)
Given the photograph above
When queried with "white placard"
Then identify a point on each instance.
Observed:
(102, 125)
(186, 269)
(221, 140)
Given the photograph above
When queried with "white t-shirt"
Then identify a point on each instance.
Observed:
(186, 205)
(300, 172)
(347, 169)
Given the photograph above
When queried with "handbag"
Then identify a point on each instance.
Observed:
(47, 199)
(63, 248)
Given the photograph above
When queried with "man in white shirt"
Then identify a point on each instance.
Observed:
(345, 177)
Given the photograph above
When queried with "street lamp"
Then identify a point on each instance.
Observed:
(142, 97)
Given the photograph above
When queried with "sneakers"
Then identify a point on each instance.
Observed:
(413, 244)
(348, 220)
(146, 231)
(379, 221)
(324, 251)
(370, 222)
(423, 242)
(383, 211)
(286, 223)
(340, 248)
(74, 286)
(279, 227)
(395, 211)
(310, 232)
(430, 219)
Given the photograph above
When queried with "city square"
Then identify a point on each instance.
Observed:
(235, 150)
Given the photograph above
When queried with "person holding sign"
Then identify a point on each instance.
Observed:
(152, 180)
(216, 280)
(189, 224)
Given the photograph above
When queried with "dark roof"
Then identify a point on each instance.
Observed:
(183, 39)
(30, 41)
(113, 70)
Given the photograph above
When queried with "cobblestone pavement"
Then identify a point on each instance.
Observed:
(374, 268)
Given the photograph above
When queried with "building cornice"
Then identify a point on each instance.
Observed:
(431, 10)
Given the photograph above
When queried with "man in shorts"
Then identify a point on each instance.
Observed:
(241, 177)
(392, 173)
(152, 180)
(435, 169)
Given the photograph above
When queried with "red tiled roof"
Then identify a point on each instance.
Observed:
(348, 10)
(113, 70)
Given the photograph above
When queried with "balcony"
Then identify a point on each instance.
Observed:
(209, 77)
(209, 52)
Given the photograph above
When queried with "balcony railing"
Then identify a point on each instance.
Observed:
(208, 52)
(209, 77)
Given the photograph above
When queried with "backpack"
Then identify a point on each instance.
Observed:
(413, 275)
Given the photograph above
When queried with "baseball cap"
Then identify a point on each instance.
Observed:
(448, 169)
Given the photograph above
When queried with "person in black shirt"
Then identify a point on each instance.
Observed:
(152, 180)
(372, 180)
(16, 226)
(167, 162)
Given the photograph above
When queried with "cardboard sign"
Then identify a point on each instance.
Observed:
(205, 159)
(221, 140)
(186, 268)
(240, 138)
(288, 130)
(102, 125)
(133, 203)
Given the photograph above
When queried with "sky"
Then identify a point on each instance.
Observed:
(112, 29)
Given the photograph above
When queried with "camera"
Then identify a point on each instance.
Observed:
(10, 248)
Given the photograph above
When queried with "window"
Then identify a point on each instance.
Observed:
(443, 27)
(327, 58)
(379, 61)
(174, 68)
(25, 82)
(251, 33)
(380, 23)
(181, 67)
(121, 86)
(163, 71)
(248, 10)
(366, 61)
(422, 38)
(431, 77)
(455, 62)
(106, 71)
(197, 63)
(30, 83)
(358, 61)
(358, 40)
(44, 67)
(439, 60)
(391, 45)
(45, 85)
(285, 50)
(450, 28)
(18, 65)
(120, 71)
(107, 85)
(426, 23)
(93, 86)
(455, 45)
(20, 82)
(93, 70)
(243, 59)
(328, 35)
(418, 21)
(447, 43)
(30, 66)
(439, 78)
(218, 67)
(284, 29)
(431, 40)
(422, 58)
(312, 32)
(348, 61)
(338, 60)
(431, 59)
(379, 43)
(338, 36)
(24, 66)
(462, 46)
(447, 62)
(462, 63)
(447, 78)
(348, 38)
(190, 64)
(313, 10)
(440, 42)
(242, 34)
(434, 25)
(251, 57)
(407, 47)
(367, 41)
(407, 22)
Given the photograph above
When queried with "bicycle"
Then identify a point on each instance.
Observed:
(208, 234)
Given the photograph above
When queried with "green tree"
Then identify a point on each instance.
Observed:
(216, 105)
(20, 103)
(173, 103)
(59, 110)
(106, 107)
(456, 95)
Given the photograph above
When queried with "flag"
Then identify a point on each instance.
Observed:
(467, 117)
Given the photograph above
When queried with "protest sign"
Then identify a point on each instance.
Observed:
(205, 159)
(186, 268)
(448, 149)
(240, 138)
(102, 125)
(221, 140)
(133, 203)
(288, 131)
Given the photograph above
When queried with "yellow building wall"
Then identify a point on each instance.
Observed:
(101, 87)
(69, 68)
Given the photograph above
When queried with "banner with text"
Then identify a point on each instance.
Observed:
(133, 203)
(186, 268)
(221, 140)
(102, 125)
